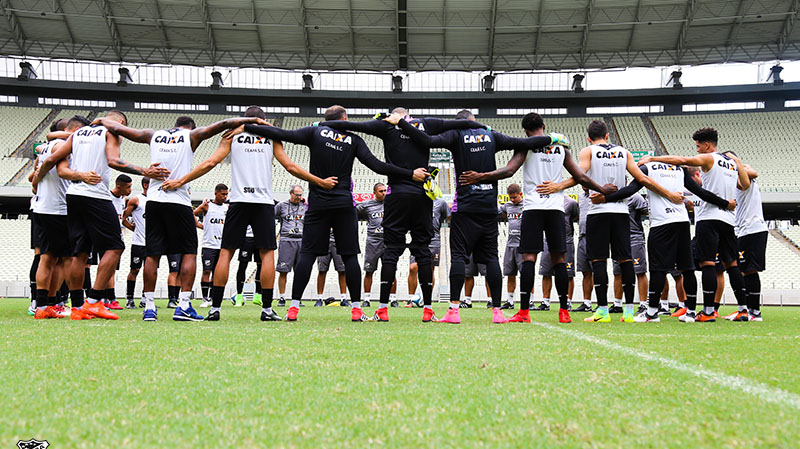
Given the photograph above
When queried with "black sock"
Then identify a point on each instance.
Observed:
(457, 273)
(76, 298)
(129, 288)
(216, 296)
(352, 276)
(709, 279)
(600, 276)
(110, 294)
(266, 297)
(63, 292)
(494, 277)
(425, 276)
(562, 284)
(388, 271)
(41, 298)
(52, 300)
(690, 287)
(628, 281)
(259, 290)
(33, 270)
(527, 276)
(87, 279)
(173, 291)
(753, 284)
(96, 294)
(737, 285)
(240, 273)
(302, 273)
(657, 281)
(204, 288)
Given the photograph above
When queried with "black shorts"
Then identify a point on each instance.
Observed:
(317, 227)
(534, 223)
(209, 257)
(53, 234)
(608, 229)
(475, 235)
(715, 237)
(260, 217)
(138, 254)
(248, 251)
(696, 262)
(170, 229)
(670, 247)
(752, 252)
(174, 261)
(93, 224)
(403, 213)
(34, 231)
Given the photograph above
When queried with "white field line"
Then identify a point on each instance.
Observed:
(737, 383)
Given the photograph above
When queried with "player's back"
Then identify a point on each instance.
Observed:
(173, 149)
(89, 154)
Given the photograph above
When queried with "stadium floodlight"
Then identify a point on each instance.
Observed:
(124, 77)
(26, 71)
(577, 83)
(308, 83)
(216, 80)
(397, 84)
(675, 79)
(775, 74)
(488, 83)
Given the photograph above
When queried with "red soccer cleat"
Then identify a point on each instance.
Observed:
(523, 316)
(563, 316)
(382, 314)
(46, 313)
(113, 305)
(678, 313)
(98, 310)
(291, 314)
(357, 315)
(77, 314)
(703, 318)
(428, 316)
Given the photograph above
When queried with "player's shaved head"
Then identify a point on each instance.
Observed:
(400, 110)
(255, 111)
(336, 112)
(118, 116)
(465, 114)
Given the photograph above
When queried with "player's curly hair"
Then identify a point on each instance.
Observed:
(706, 135)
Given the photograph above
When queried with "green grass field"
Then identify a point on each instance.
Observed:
(326, 382)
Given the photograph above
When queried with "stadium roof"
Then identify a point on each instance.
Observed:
(413, 35)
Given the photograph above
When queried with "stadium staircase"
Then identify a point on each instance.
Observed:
(22, 172)
(651, 130)
(25, 149)
(612, 131)
(786, 240)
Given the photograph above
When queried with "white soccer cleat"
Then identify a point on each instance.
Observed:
(643, 318)
(205, 304)
(687, 317)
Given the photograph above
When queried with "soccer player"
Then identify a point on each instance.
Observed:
(714, 229)
(372, 210)
(50, 209)
(544, 212)
(170, 222)
(323, 266)
(290, 214)
(751, 230)
(474, 221)
(93, 223)
(512, 259)
(571, 215)
(133, 219)
(119, 195)
(252, 204)
(441, 213)
(670, 238)
(213, 213)
(637, 210)
(408, 208)
(332, 155)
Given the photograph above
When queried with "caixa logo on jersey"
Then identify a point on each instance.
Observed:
(515, 216)
(730, 165)
(168, 139)
(88, 132)
(336, 137)
(609, 154)
(477, 138)
(32, 444)
(376, 215)
(252, 140)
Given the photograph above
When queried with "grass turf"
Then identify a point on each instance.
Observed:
(326, 382)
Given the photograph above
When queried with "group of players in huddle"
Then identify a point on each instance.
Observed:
(74, 215)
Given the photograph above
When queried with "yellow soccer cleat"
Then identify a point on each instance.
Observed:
(599, 316)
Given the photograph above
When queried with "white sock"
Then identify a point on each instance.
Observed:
(431, 307)
(366, 296)
(617, 302)
(665, 304)
(344, 296)
(681, 304)
(183, 300)
(266, 309)
(319, 296)
(383, 305)
(149, 301)
(652, 311)
(214, 309)
(588, 302)
(283, 297)
(453, 305)
(742, 308)
(356, 304)
(642, 302)
(546, 301)
(468, 299)
(392, 297)
(510, 297)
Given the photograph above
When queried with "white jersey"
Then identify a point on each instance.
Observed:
(721, 180)
(749, 211)
(543, 164)
(89, 154)
(213, 221)
(51, 192)
(139, 229)
(251, 169)
(173, 148)
(119, 206)
(609, 165)
(662, 210)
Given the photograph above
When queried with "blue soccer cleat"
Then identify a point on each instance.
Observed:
(187, 314)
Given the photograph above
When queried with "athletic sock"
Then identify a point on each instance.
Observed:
(129, 289)
(356, 304)
(600, 277)
(205, 287)
(173, 291)
(295, 303)
(510, 297)
(110, 294)
(302, 272)
(628, 281)
(709, 279)
(468, 299)
(94, 296)
(664, 304)
(425, 277)
(352, 277)
(562, 284)
(454, 305)
(240, 273)
(149, 300)
(366, 296)
(657, 281)
(76, 298)
(383, 305)
(213, 309)
(494, 277)
(737, 285)
(587, 302)
(87, 279)
(617, 302)
(392, 297)
(184, 300)
(753, 284)
(343, 297)
(690, 287)
(388, 271)
(217, 292)
(457, 270)
(527, 277)
(41, 299)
